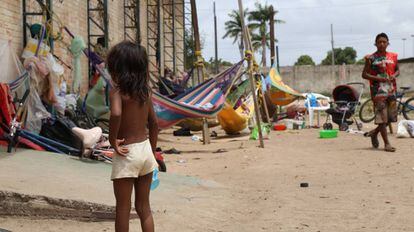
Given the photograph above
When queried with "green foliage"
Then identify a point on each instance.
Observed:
(305, 60)
(259, 22)
(189, 47)
(361, 61)
(210, 65)
(347, 55)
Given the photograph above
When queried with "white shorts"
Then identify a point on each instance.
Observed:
(140, 161)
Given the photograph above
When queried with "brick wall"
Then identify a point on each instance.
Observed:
(73, 14)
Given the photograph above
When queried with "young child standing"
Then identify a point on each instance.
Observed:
(132, 113)
(381, 69)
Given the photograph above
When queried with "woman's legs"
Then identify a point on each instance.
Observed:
(142, 204)
(123, 190)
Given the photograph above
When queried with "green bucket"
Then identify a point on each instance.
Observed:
(328, 134)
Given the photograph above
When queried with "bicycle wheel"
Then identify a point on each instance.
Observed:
(408, 109)
(367, 111)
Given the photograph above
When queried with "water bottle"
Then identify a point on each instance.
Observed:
(155, 181)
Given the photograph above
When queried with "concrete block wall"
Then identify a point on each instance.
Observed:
(320, 79)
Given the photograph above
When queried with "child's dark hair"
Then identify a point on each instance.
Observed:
(128, 66)
(381, 35)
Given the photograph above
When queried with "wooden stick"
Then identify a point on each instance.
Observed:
(200, 73)
(248, 46)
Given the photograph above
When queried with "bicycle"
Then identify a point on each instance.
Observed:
(367, 112)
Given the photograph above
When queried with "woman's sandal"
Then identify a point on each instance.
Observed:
(374, 139)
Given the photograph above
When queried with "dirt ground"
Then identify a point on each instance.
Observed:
(352, 187)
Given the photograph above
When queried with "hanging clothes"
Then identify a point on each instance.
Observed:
(76, 47)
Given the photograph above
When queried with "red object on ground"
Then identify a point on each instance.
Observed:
(158, 156)
(279, 127)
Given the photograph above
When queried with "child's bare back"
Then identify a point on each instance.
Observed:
(134, 120)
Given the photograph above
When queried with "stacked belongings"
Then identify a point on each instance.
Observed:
(42, 120)
(35, 84)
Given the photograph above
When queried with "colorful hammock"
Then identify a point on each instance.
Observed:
(202, 101)
(279, 93)
(168, 88)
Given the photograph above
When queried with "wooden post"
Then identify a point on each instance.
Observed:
(265, 105)
(199, 58)
(248, 46)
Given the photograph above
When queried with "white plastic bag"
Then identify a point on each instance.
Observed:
(403, 127)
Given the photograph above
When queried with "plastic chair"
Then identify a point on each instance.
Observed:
(312, 107)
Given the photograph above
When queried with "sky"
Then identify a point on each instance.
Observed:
(308, 23)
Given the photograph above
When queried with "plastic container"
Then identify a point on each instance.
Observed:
(155, 181)
(279, 127)
(328, 134)
(292, 124)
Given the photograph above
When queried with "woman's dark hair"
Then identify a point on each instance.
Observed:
(381, 35)
(128, 66)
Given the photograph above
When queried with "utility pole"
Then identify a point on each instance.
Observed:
(248, 47)
(412, 36)
(199, 64)
(272, 36)
(404, 39)
(215, 39)
(333, 53)
(332, 42)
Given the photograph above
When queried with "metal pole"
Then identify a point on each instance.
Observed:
(24, 24)
(174, 37)
(404, 39)
(106, 30)
(248, 46)
(215, 39)
(160, 39)
(272, 36)
(138, 21)
(49, 18)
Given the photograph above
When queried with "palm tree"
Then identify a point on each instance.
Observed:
(234, 29)
(260, 18)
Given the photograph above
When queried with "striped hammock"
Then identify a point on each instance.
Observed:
(202, 101)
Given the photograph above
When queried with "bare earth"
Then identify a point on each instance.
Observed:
(352, 187)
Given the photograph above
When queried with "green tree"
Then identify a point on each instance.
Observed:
(347, 55)
(361, 61)
(210, 64)
(259, 21)
(234, 29)
(189, 48)
(305, 60)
